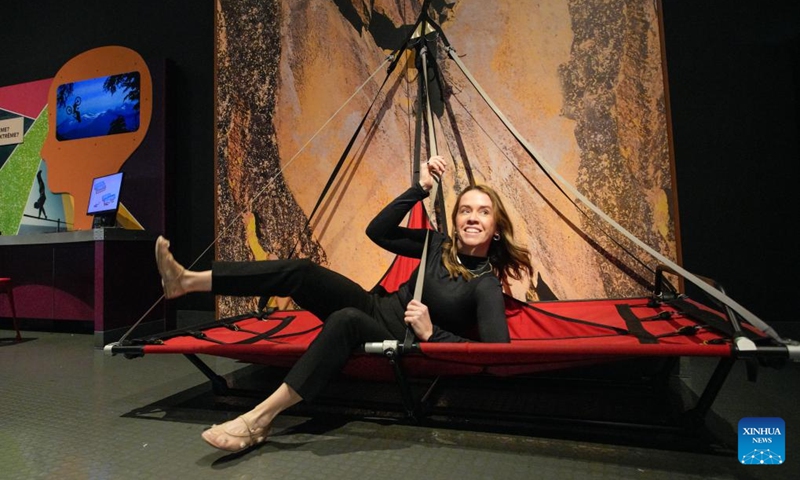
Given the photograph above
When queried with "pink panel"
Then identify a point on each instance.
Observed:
(26, 99)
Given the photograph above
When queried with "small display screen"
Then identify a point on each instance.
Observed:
(104, 197)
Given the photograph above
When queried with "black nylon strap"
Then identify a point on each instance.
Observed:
(346, 152)
(262, 301)
(635, 325)
(704, 317)
(409, 340)
(619, 331)
(202, 336)
(340, 163)
(272, 331)
(160, 337)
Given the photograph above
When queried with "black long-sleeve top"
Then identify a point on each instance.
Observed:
(456, 305)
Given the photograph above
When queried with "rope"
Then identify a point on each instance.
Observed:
(224, 229)
(418, 286)
(394, 57)
(746, 314)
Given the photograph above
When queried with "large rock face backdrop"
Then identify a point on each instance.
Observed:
(581, 80)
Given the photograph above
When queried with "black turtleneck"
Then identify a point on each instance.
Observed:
(460, 309)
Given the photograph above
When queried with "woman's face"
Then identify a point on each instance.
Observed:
(475, 223)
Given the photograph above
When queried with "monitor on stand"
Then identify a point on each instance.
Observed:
(104, 200)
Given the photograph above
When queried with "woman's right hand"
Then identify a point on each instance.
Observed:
(419, 319)
(431, 171)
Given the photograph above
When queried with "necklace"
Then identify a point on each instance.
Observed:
(485, 266)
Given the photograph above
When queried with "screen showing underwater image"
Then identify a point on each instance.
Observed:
(104, 197)
(98, 107)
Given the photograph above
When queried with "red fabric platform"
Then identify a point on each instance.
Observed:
(545, 336)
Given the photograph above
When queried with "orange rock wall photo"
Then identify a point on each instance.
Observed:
(582, 81)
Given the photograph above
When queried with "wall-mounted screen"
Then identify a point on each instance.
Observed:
(98, 106)
(104, 197)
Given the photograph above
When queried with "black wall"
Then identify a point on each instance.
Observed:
(733, 80)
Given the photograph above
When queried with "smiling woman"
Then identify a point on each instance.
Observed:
(461, 296)
(484, 230)
(475, 225)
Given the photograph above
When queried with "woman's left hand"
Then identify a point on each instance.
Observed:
(418, 318)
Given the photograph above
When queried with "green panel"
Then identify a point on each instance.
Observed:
(18, 174)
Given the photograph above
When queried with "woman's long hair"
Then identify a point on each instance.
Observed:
(508, 259)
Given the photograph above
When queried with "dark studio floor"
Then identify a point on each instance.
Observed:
(71, 412)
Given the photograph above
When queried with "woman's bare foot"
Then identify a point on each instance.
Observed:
(235, 435)
(171, 271)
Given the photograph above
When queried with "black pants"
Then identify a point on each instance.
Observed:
(351, 315)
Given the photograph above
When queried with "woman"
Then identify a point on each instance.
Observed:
(462, 290)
